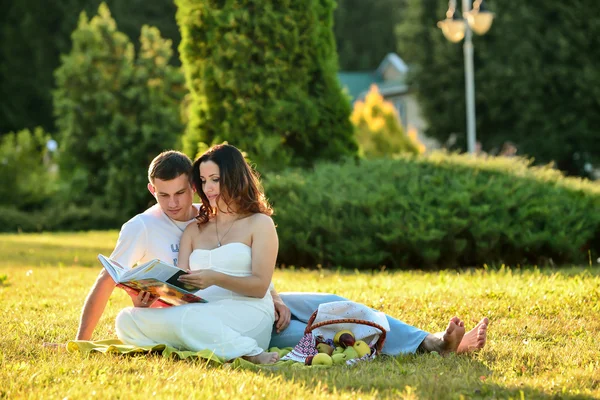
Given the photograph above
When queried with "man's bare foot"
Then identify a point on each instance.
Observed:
(448, 341)
(263, 358)
(475, 339)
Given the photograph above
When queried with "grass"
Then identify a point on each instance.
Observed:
(544, 338)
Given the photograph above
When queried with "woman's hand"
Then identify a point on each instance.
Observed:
(144, 299)
(201, 279)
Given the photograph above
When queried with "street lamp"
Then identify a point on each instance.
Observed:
(455, 29)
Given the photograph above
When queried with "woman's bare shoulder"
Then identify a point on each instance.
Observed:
(261, 221)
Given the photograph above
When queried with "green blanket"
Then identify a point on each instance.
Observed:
(118, 347)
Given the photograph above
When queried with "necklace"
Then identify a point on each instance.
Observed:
(217, 229)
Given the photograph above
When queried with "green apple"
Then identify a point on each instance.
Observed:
(362, 348)
(324, 348)
(283, 352)
(350, 353)
(339, 358)
(338, 350)
(322, 359)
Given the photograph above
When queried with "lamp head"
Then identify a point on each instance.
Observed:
(480, 19)
(453, 28)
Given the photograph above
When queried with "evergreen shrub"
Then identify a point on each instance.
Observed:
(262, 76)
(442, 210)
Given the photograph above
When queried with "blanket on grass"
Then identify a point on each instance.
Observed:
(115, 346)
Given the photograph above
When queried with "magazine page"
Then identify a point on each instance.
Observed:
(159, 271)
(114, 269)
(168, 293)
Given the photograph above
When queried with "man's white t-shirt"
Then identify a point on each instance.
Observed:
(147, 236)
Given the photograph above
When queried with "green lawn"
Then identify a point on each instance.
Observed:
(544, 337)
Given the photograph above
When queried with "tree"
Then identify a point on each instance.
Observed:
(534, 78)
(378, 129)
(262, 75)
(34, 33)
(364, 31)
(114, 112)
(26, 174)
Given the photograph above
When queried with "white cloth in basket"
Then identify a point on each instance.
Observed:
(349, 309)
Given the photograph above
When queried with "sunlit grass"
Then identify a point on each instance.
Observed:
(544, 339)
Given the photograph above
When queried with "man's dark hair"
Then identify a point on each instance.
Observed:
(169, 165)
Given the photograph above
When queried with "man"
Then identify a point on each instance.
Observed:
(155, 233)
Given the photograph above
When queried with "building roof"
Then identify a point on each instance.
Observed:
(357, 83)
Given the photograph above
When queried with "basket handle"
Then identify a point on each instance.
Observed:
(310, 326)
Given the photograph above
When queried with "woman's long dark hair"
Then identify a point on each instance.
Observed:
(240, 187)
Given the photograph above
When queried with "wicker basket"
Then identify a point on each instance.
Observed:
(310, 326)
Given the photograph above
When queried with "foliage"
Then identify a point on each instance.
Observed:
(58, 217)
(34, 34)
(26, 172)
(262, 75)
(534, 78)
(436, 211)
(115, 112)
(364, 31)
(544, 336)
(378, 129)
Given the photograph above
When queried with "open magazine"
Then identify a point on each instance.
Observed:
(156, 277)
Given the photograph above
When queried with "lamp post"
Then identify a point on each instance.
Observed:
(478, 20)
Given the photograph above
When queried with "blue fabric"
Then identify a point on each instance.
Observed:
(401, 338)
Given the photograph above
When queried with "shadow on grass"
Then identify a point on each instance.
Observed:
(423, 376)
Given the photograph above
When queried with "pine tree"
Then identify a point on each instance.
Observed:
(114, 112)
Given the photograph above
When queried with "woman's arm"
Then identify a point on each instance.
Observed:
(186, 247)
(265, 245)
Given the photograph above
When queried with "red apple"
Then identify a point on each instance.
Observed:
(308, 360)
(347, 340)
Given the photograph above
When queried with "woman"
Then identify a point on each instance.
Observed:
(231, 255)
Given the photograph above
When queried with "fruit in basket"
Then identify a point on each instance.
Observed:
(347, 340)
(336, 338)
(325, 348)
(361, 348)
(350, 353)
(322, 359)
(339, 358)
(308, 360)
(338, 350)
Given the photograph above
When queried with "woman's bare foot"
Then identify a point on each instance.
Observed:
(263, 358)
(475, 339)
(447, 341)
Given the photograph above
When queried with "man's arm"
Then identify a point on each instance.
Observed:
(130, 248)
(282, 312)
(94, 305)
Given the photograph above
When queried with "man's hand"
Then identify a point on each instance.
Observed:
(282, 314)
(144, 299)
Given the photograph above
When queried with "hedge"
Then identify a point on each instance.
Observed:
(443, 210)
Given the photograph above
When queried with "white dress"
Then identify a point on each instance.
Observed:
(230, 324)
